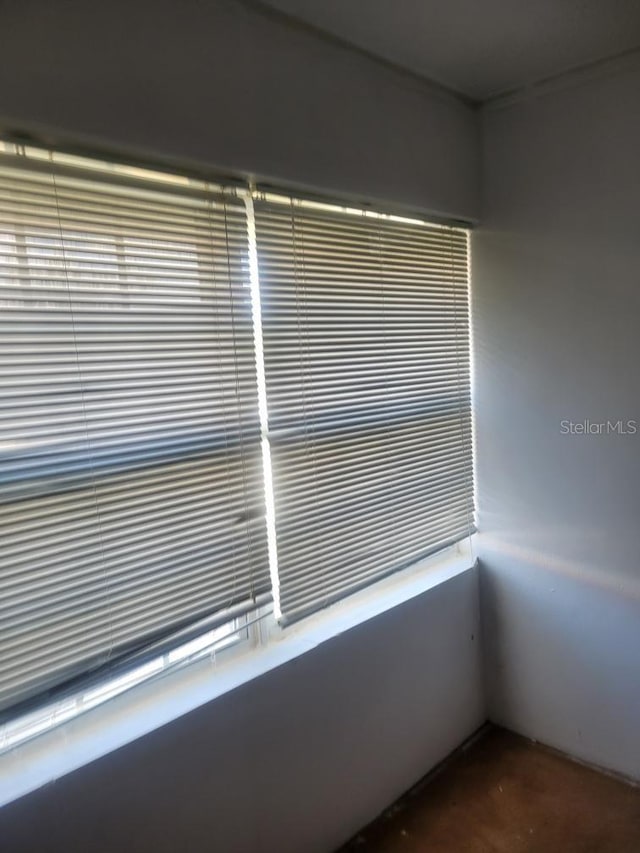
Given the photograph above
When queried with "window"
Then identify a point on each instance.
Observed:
(211, 397)
(366, 347)
(131, 499)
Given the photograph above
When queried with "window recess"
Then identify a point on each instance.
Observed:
(209, 398)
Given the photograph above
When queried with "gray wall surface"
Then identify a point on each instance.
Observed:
(556, 300)
(217, 84)
(296, 760)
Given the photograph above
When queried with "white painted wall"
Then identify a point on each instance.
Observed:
(556, 298)
(213, 83)
(296, 760)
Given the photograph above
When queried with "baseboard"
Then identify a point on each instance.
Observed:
(435, 771)
(605, 771)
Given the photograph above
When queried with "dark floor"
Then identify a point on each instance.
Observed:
(507, 795)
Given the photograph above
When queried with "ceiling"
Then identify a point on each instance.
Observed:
(479, 48)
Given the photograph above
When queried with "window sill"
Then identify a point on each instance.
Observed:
(152, 704)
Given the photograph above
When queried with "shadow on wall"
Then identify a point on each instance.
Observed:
(562, 661)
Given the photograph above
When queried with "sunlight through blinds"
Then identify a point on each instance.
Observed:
(366, 347)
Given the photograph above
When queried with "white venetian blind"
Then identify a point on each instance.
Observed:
(131, 496)
(366, 347)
